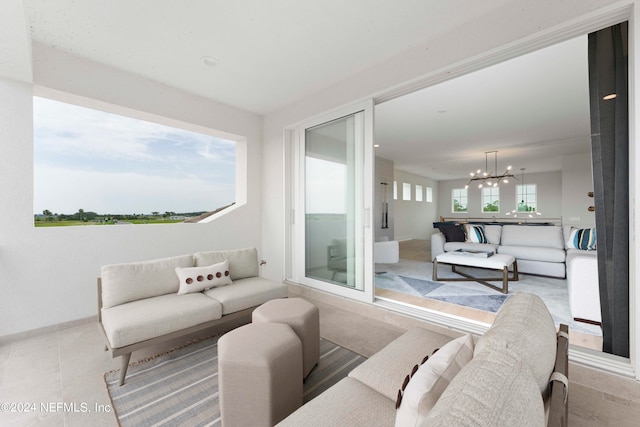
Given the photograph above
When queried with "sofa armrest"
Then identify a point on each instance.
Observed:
(558, 406)
(437, 245)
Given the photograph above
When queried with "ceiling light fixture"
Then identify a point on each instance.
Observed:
(210, 61)
(490, 178)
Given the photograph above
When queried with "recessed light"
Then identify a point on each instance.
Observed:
(610, 96)
(376, 145)
(210, 61)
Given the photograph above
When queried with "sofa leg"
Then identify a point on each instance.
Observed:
(125, 364)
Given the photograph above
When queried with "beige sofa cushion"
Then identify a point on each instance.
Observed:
(152, 317)
(348, 403)
(495, 389)
(432, 378)
(534, 253)
(385, 371)
(242, 262)
(525, 327)
(544, 236)
(493, 233)
(246, 293)
(123, 283)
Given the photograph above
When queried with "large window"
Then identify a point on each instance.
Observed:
(526, 198)
(94, 167)
(491, 199)
(459, 200)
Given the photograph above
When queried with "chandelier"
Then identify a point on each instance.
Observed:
(488, 178)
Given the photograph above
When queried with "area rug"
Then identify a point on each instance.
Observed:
(180, 387)
(429, 289)
(413, 277)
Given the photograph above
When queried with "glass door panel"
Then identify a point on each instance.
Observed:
(329, 180)
(333, 236)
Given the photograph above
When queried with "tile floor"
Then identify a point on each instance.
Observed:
(61, 372)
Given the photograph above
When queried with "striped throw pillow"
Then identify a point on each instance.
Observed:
(582, 238)
(475, 233)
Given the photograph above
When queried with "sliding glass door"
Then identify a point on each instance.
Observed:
(331, 245)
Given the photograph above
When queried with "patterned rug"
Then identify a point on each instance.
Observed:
(413, 277)
(429, 289)
(180, 387)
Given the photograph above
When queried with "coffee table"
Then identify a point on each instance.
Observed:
(495, 262)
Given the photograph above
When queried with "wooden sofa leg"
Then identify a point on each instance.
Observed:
(125, 364)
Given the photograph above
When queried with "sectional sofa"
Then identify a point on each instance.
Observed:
(539, 249)
(544, 250)
(145, 303)
(513, 375)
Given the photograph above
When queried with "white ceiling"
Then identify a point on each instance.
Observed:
(272, 53)
(533, 109)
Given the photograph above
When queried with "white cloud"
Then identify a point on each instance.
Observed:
(96, 161)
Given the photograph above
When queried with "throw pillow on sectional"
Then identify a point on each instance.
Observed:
(475, 233)
(453, 233)
(583, 239)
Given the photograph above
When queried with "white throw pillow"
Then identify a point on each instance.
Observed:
(196, 279)
(431, 379)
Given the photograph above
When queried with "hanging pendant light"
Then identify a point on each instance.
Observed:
(524, 202)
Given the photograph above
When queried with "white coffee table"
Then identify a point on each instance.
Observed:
(495, 262)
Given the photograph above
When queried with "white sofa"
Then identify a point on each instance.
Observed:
(144, 303)
(499, 379)
(582, 282)
(539, 249)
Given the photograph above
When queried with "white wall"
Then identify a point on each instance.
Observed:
(548, 186)
(577, 181)
(48, 275)
(383, 174)
(413, 219)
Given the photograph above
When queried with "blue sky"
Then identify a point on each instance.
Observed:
(110, 164)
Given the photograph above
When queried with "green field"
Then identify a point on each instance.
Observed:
(69, 223)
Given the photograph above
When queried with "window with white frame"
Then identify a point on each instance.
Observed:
(429, 195)
(395, 190)
(406, 191)
(100, 168)
(491, 199)
(418, 193)
(459, 200)
(526, 198)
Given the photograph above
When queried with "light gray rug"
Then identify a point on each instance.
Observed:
(180, 387)
(414, 278)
